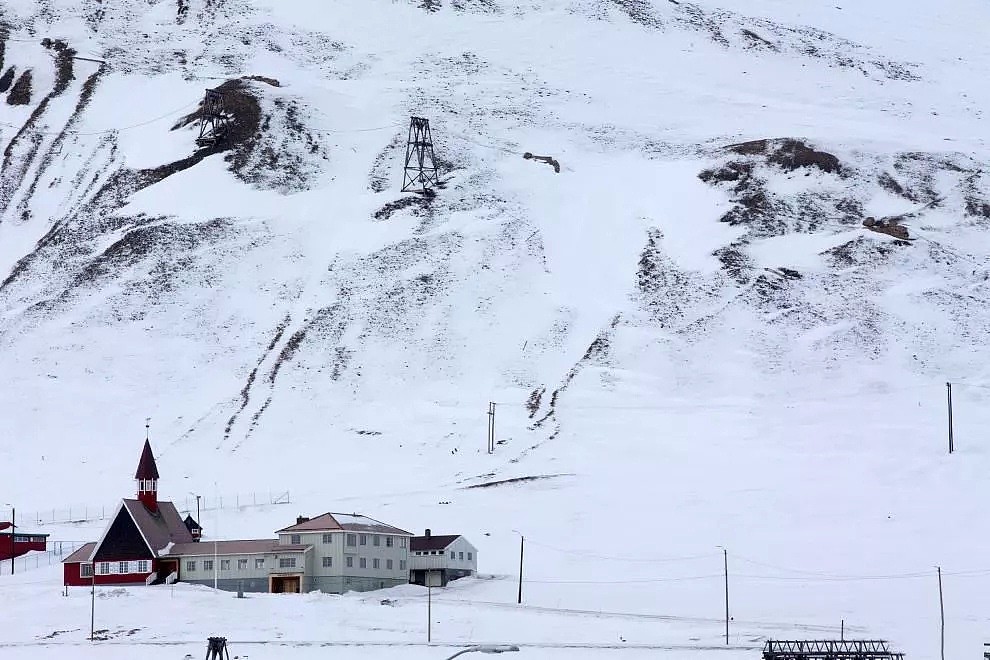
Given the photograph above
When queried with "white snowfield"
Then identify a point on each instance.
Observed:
(692, 340)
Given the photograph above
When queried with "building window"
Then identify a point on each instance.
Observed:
(402, 564)
(287, 562)
(123, 567)
(327, 539)
(224, 564)
(86, 570)
(389, 540)
(362, 563)
(207, 564)
(402, 541)
(351, 540)
(375, 564)
(103, 568)
(144, 566)
(388, 564)
(259, 563)
(452, 555)
(350, 561)
(364, 539)
(242, 564)
(328, 562)
(295, 539)
(191, 566)
(376, 540)
(470, 556)
(461, 557)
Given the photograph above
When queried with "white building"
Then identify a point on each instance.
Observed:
(333, 553)
(436, 560)
(350, 552)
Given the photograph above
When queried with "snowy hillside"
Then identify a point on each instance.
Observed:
(688, 330)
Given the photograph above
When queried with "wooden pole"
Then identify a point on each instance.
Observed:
(948, 388)
(522, 543)
(725, 557)
(13, 538)
(92, 602)
(429, 609)
(941, 607)
(843, 633)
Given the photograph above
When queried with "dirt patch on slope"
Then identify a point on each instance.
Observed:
(20, 93)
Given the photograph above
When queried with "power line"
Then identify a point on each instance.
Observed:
(644, 560)
(640, 581)
(108, 130)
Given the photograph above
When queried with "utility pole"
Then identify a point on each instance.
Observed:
(429, 609)
(198, 520)
(948, 388)
(522, 543)
(725, 558)
(941, 607)
(491, 427)
(13, 538)
(843, 633)
(92, 602)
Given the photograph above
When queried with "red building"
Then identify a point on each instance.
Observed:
(14, 543)
(138, 533)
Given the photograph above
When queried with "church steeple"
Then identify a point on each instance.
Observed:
(147, 478)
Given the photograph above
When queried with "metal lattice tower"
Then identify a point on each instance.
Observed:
(420, 173)
(829, 650)
(213, 121)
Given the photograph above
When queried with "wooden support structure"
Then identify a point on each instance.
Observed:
(216, 648)
(214, 122)
(549, 160)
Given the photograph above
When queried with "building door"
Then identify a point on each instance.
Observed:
(285, 584)
(166, 567)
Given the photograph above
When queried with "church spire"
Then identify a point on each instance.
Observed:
(147, 477)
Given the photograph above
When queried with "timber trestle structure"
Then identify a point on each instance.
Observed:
(829, 650)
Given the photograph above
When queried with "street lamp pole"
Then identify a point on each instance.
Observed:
(725, 560)
(13, 537)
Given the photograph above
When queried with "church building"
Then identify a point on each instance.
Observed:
(139, 533)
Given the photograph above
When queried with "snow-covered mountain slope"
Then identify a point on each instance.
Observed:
(690, 321)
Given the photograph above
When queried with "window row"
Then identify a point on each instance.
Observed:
(225, 565)
(363, 563)
(470, 555)
(354, 540)
(116, 568)
(29, 539)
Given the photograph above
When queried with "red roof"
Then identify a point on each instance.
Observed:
(146, 467)
(351, 522)
(80, 555)
(161, 527)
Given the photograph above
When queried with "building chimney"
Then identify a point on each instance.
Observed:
(427, 532)
(301, 519)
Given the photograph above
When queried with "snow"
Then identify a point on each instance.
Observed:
(289, 340)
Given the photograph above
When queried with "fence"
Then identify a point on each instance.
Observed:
(34, 560)
(187, 504)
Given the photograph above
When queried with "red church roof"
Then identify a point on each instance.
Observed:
(147, 468)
